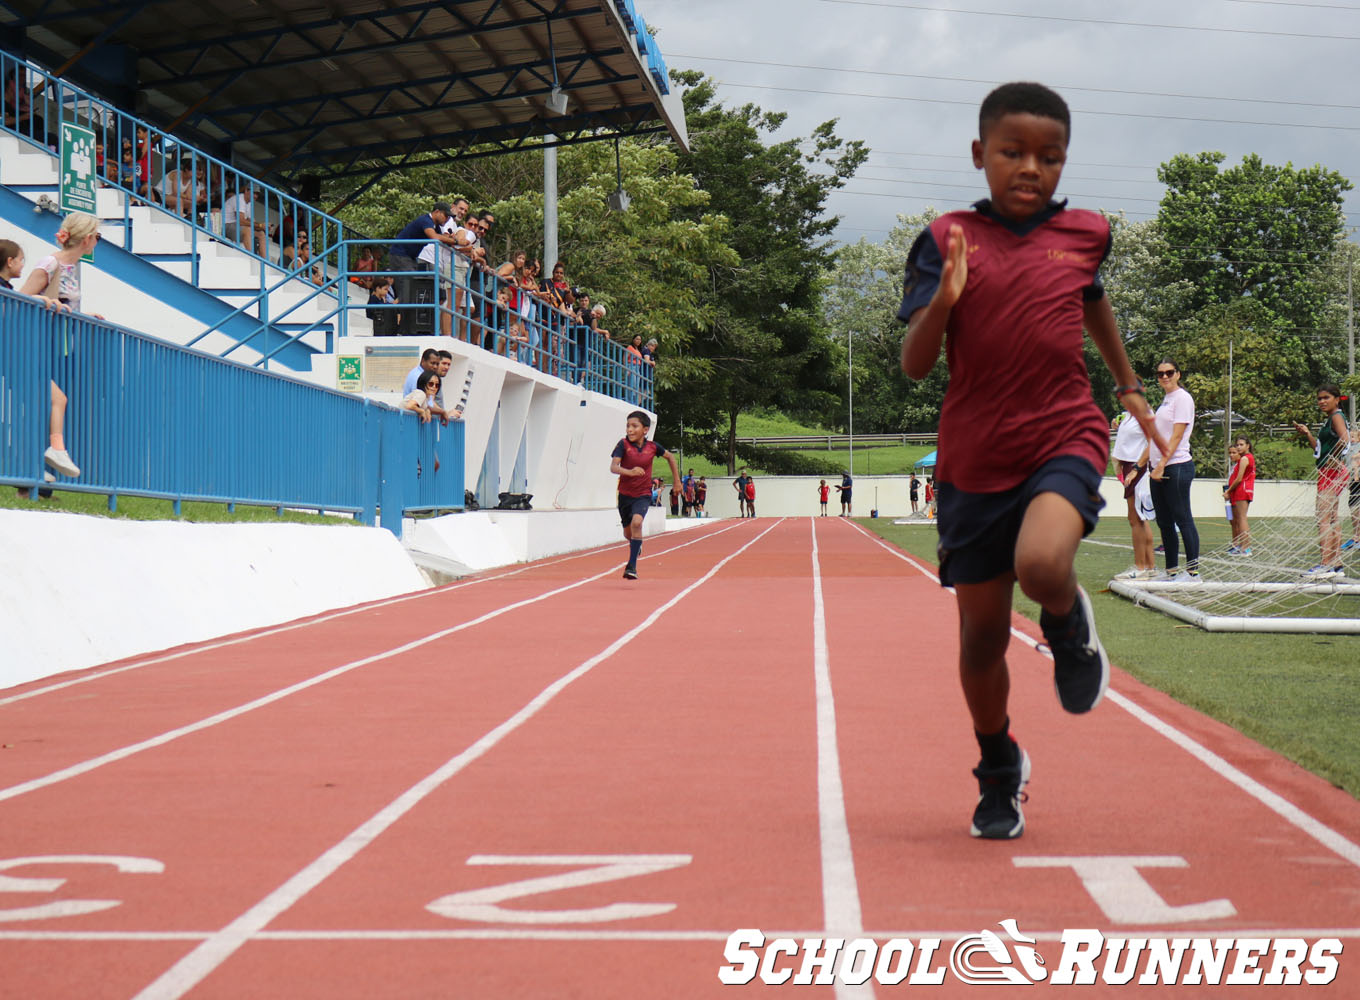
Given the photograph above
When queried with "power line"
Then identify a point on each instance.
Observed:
(1095, 20)
(1075, 111)
(993, 83)
(1064, 193)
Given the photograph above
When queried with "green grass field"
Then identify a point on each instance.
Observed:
(1297, 694)
(1287, 454)
(147, 509)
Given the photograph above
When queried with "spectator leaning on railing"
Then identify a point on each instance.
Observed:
(402, 256)
(57, 276)
(11, 267)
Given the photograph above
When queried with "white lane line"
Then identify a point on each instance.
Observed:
(84, 767)
(840, 888)
(547, 934)
(1276, 803)
(194, 967)
(309, 622)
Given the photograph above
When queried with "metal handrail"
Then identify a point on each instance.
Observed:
(47, 105)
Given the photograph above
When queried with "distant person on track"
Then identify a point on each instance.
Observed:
(633, 457)
(739, 484)
(1239, 492)
(1022, 445)
(823, 494)
(846, 489)
(915, 494)
(700, 497)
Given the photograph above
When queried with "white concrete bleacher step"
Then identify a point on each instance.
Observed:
(164, 240)
(22, 164)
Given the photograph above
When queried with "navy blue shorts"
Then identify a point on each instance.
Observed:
(978, 531)
(630, 507)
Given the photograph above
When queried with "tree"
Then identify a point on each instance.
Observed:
(1265, 360)
(1254, 231)
(862, 299)
(648, 265)
(763, 336)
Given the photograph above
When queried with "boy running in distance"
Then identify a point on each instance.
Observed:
(633, 457)
(1007, 289)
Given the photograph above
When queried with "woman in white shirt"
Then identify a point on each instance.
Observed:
(1173, 473)
(421, 398)
(57, 276)
(1130, 453)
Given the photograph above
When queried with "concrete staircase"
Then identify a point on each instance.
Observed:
(169, 303)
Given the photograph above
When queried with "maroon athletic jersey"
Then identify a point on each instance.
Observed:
(631, 457)
(1018, 392)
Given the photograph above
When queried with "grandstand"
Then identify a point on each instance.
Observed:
(266, 110)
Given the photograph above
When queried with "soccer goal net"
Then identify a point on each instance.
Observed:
(1270, 587)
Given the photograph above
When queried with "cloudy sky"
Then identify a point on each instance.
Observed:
(1145, 80)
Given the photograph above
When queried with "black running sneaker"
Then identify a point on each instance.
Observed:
(1000, 792)
(629, 573)
(1081, 670)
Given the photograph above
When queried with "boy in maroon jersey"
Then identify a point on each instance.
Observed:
(1007, 288)
(633, 457)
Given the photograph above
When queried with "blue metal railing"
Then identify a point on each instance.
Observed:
(166, 173)
(498, 317)
(545, 338)
(149, 418)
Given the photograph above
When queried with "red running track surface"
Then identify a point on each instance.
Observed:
(551, 782)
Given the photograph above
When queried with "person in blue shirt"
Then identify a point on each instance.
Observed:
(402, 256)
(846, 490)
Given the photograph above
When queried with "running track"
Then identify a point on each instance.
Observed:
(550, 782)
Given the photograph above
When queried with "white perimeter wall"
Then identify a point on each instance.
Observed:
(794, 496)
(77, 591)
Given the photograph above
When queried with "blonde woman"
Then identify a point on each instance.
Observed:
(57, 276)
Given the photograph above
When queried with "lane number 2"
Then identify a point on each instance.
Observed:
(65, 907)
(484, 905)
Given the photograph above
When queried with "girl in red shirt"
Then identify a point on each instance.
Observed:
(1239, 493)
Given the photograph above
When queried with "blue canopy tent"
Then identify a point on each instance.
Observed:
(926, 462)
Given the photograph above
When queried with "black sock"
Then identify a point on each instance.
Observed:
(1059, 626)
(634, 550)
(998, 749)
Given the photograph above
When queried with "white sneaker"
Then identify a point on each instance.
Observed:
(61, 461)
(1145, 574)
(1320, 572)
(48, 477)
(1129, 574)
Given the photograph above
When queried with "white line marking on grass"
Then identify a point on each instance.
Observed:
(309, 622)
(840, 888)
(193, 968)
(84, 767)
(1276, 803)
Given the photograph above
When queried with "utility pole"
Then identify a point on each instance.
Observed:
(850, 392)
(1350, 330)
(549, 205)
